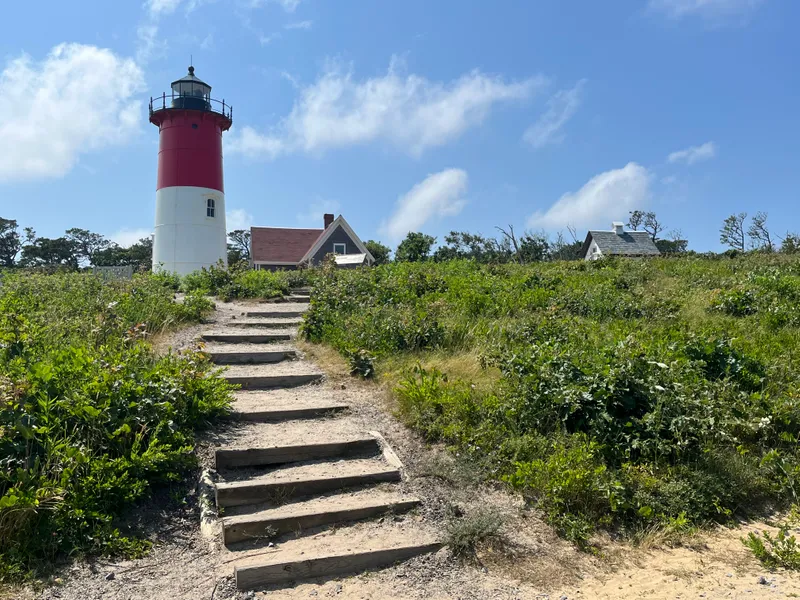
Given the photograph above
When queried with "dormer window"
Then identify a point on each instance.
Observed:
(211, 206)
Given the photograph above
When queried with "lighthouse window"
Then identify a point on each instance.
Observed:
(210, 207)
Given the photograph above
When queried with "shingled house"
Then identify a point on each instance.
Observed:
(276, 248)
(618, 242)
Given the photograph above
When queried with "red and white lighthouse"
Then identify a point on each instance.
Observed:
(190, 197)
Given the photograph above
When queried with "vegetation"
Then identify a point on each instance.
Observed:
(91, 418)
(240, 281)
(622, 394)
(781, 550)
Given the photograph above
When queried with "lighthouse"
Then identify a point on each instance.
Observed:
(190, 198)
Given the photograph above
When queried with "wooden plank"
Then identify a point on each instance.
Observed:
(276, 314)
(248, 527)
(228, 458)
(251, 358)
(267, 382)
(262, 325)
(258, 575)
(287, 414)
(246, 338)
(254, 492)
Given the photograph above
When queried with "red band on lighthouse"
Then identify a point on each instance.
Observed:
(190, 149)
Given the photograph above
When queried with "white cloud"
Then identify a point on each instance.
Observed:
(208, 42)
(299, 25)
(709, 9)
(313, 216)
(560, 109)
(128, 237)
(288, 5)
(269, 38)
(238, 218)
(406, 110)
(156, 8)
(694, 154)
(148, 44)
(439, 195)
(604, 198)
(78, 99)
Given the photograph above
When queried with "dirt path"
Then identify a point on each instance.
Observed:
(529, 561)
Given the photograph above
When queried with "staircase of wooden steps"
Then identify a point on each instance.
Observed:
(301, 490)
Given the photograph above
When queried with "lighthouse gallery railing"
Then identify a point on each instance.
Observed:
(197, 103)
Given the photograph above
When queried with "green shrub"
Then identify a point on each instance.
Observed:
(464, 534)
(781, 550)
(91, 419)
(239, 281)
(632, 395)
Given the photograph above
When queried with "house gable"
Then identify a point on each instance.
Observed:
(339, 232)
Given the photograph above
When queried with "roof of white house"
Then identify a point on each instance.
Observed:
(624, 243)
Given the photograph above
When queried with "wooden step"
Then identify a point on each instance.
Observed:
(265, 324)
(314, 513)
(245, 338)
(299, 298)
(270, 488)
(268, 382)
(267, 415)
(275, 314)
(227, 458)
(251, 358)
(337, 554)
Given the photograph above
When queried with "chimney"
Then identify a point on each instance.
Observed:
(328, 220)
(618, 227)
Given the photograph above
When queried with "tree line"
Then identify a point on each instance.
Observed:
(79, 248)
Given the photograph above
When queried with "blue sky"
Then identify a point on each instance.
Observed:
(413, 115)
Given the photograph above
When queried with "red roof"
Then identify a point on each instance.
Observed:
(281, 244)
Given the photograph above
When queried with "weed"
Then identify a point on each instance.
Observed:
(781, 550)
(465, 534)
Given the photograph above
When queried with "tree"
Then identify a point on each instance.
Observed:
(415, 248)
(9, 242)
(791, 243)
(533, 247)
(674, 245)
(760, 237)
(379, 252)
(511, 238)
(647, 221)
(732, 232)
(87, 244)
(50, 252)
(239, 243)
(140, 255)
(473, 246)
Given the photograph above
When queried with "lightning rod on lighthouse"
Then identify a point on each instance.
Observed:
(190, 198)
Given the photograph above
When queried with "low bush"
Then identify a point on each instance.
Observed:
(240, 281)
(91, 419)
(634, 395)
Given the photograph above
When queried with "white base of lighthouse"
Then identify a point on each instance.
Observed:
(190, 229)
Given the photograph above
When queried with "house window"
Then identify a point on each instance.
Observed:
(211, 206)
(340, 248)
